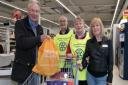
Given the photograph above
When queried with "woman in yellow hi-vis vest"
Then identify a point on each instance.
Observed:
(62, 38)
(77, 47)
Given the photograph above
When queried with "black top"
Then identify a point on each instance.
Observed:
(66, 31)
(100, 58)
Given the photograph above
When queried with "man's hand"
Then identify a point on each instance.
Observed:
(43, 37)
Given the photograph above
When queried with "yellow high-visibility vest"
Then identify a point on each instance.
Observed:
(62, 42)
(78, 48)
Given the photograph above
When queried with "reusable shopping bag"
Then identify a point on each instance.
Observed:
(48, 59)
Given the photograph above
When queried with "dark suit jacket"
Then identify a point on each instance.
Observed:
(26, 43)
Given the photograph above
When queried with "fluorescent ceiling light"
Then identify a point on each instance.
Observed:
(49, 21)
(1, 23)
(12, 6)
(45, 27)
(66, 8)
(58, 1)
(56, 10)
(26, 11)
(117, 5)
(41, 19)
(5, 17)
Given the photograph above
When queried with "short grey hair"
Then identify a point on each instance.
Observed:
(31, 2)
(78, 18)
(62, 16)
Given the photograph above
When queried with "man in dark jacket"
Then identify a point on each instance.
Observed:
(29, 36)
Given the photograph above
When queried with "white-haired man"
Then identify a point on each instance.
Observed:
(29, 36)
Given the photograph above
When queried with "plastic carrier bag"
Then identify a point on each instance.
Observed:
(48, 59)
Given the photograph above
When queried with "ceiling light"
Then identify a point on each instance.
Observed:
(5, 17)
(49, 21)
(1, 23)
(66, 8)
(12, 6)
(56, 10)
(117, 5)
(45, 27)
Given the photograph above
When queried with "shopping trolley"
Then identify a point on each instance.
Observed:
(30, 79)
(65, 76)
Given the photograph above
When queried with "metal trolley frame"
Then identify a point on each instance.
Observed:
(66, 75)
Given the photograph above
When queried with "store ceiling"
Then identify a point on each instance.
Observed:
(51, 10)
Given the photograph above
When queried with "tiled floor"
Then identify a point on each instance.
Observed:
(116, 79)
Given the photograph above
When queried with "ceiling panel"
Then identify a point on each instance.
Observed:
(89, 2)
(48, 9)
(51, 10)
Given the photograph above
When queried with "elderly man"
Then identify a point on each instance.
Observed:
(29, 36)
(63, 37)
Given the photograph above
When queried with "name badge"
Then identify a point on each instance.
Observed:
(104, 45)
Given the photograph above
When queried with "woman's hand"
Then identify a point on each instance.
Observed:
(69, 55)
(78, 62)
(79, 65)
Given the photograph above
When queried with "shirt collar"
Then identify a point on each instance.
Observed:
(33, 25)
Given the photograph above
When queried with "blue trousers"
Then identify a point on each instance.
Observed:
(91, 80)
(34, 79)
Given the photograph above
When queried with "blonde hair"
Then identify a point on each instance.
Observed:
(97, 20)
